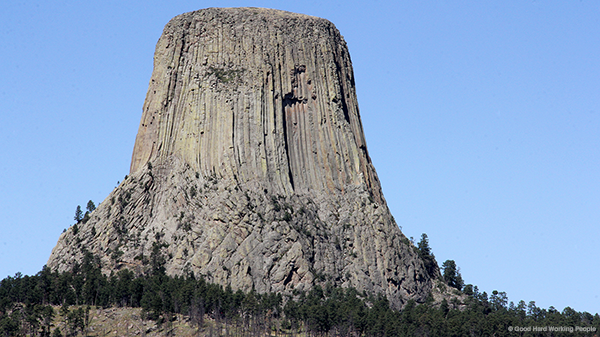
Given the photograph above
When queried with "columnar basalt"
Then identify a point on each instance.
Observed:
(250, 166)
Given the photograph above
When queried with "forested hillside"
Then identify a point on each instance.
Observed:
(31, 305)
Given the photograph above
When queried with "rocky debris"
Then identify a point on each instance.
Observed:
(250, 166)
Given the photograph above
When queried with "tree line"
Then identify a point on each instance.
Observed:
(26, 307)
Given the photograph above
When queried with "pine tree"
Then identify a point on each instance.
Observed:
(452, 274)
(78, 214)
(90, 206)
(426, 254)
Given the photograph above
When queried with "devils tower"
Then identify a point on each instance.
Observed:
(250, 166)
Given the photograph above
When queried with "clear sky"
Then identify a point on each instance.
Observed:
(482, 119)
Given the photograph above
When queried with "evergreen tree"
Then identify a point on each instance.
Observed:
(498, 300)
(423, 246)
(452, 274)
(78, 214)
(90, 206)
(426, 254)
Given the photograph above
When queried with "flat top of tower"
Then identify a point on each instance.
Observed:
(245, 14)
(254, 10)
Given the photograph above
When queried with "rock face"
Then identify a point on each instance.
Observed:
(250, 166)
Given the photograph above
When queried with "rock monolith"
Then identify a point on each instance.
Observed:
(250, 166)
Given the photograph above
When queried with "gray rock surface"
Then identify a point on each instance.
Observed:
(250, 166)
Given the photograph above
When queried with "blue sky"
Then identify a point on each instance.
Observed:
(482, 120)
